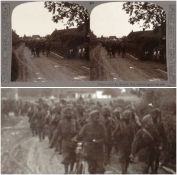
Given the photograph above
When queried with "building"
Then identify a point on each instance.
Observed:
(36, 37)
(69, 40)
(143, 44)
(113, 38)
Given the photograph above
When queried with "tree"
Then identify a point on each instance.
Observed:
(15, 38)
(148, 13)
(75, 14)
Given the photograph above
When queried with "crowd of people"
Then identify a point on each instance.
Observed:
(105, 129)
(114, 48)
(37, 46)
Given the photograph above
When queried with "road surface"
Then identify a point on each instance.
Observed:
(128, 69)
(23, 154)
(45, 69)
(131, 70)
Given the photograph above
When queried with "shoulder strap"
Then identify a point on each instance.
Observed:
(148, 133)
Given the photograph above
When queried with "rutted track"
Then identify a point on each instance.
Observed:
(23, 154)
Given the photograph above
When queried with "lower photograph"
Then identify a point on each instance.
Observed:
(88, 130)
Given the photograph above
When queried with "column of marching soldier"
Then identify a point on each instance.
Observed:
(103, 128)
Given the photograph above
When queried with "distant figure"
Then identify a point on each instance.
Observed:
(38, 49)
(33, 51)
(114, 49)
(48, 49)
(43, 47)
(123, 49)
(118, 48)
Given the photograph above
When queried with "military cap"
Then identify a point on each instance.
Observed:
(93, 112)
(67, 110)
(127, 114)
(156, 111)
(117, 110)
(106, 110)
(147, 120)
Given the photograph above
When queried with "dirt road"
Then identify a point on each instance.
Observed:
(127, 69)
(23, 154)
(45, 69)
(132, 70)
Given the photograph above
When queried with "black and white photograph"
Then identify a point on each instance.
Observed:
(88, 130)
(129, 42)
(50, 42)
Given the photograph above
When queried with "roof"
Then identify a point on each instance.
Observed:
(35, 36)
(144, 34)
(80, 31)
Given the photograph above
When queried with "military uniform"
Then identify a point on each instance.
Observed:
(94, 136)
(108, 124)
(146, 140)
(162, 138)
(41, 124)
(67, 129)
(124, 136)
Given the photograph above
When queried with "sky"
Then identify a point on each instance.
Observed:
(33, 19)
(109, 19)
(106, 19)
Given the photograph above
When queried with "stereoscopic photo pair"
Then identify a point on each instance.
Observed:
(93, 87)
(79, 42)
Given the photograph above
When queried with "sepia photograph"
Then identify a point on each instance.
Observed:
(129, 42)
(50, 44)
(88, 131)
(88, 43)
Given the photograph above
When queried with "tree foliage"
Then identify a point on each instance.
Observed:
(73, 13)
(148, 13)
(15, 38)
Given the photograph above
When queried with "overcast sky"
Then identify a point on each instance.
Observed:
(33, 19)
(107, 19)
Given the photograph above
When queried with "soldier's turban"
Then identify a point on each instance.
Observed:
(94, 112)
(147, 120)
(127, 114)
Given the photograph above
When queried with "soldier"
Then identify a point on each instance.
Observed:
(162, 138)
(67, 129)
(41, 123)
(123, 49)
(55, 140)
(116, 115)
(93, 135)
(47, 122)
(38, 48)
(108, 124)
(124, 137)
(33, 121)
(48, 48)
(43, 47)
(145, 139)
(116, 119)
(52, 126)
